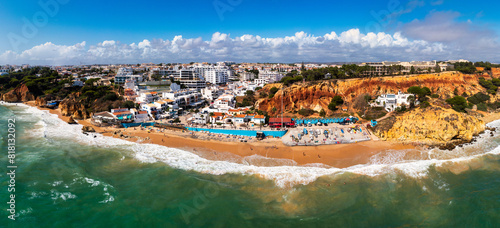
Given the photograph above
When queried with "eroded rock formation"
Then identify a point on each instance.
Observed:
(40, 101)
(317, 96)
(19, 94)
(71, 107)
(88, 129)
(433, 126)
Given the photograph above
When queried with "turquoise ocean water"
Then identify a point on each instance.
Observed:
(67, 179)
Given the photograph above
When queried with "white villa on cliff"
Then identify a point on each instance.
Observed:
(392, 101)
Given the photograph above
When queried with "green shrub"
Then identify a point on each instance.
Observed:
(306, 112)
(322, 113)
(482, 107)
(478, 98)
(458, 103)
(424, 104)
(336, 100)
(111, 97)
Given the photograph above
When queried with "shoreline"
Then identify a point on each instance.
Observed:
(272, 151)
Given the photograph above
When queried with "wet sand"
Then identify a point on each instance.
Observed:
(339, 156)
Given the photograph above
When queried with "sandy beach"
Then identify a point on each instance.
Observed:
(339, 156)
(490, 117)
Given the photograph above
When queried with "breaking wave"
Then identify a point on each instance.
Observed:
(287, 173)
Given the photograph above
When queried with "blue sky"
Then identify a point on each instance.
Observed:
(75, 31)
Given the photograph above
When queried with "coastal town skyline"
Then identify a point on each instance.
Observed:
(61, 33)
(233, 113)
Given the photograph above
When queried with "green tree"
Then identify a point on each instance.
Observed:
(332, 106)
(273, 90)
(419, 92)
(337, 100)
(322, 113)
(129, 104)
(478, 98)
(458, 103)
(411, 99)
(412, 70)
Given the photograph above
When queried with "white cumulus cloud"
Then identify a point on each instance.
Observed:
(348, 46)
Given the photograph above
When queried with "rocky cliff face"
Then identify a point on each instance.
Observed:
(40, 101)
(432, 126)
(71, 107)
(317, 96)
(19, 94)
(495, 72)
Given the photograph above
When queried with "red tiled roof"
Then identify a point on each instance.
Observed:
(240, 116)
(278, 120)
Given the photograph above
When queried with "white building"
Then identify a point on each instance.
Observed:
(200, 118)
(184, 98)
(139, 116)
(211, 93)
(165, 104)
(151, 109)
(213, 74)
(121, 79)
(4, 71)
(126, 73)
(224, 103)
(269, 77)
(175, 87)
(259, 119)
(392, 101)
(78, 82)
(147, 97)
(131, 85)
(217, 76)
(458, 61)
(247, 76)
(240, 88)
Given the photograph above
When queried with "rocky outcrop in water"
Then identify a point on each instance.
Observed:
(435, 126)
(71, 120)
(19, 94)
(88, 129)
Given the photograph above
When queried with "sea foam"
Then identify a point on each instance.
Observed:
(284, 176)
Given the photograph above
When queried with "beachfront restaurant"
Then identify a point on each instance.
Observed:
(276, 122)
(104, 118)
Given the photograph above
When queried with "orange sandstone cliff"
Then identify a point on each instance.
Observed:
(317, 96)
(19, 94)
